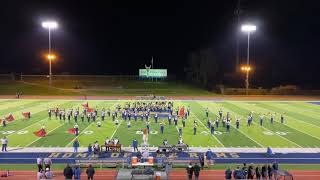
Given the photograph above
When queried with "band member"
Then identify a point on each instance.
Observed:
(261, 119)
(282, 118)
(69, 115)
(271, 118)
(212, 129)
(94, 115)
(99, 124)
(237, 122)
(56, 112)
(141, 116)
(82, 117)
(175, 119)
(180, 130)
(135, 116)
(224, 122)
(208, 123)
(102, 114)
(217, 122)
(113, 116)
(4, 121)
(228, 125)
(116, 122)
(162, 127)
(49, 113)
(88, 117)
(156, 117)
(148, 126)
(220, 113)
(207, 112)
(76, 114)
(183, 122)
(76, 129)
(195, 129)
(64, 115)
(108, 112)
(129, 124)
(169, 119)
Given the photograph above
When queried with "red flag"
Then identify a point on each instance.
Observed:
(40, 133)
(10, 117)
(181, 112)
(86, 105)
(72, 131)
(90, 110)
(26, 114)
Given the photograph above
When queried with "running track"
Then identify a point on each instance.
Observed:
(175, 175)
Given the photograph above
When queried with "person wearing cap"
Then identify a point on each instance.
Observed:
(47, 163)
(209, 155)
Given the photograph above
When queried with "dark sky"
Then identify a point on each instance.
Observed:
(119, 37)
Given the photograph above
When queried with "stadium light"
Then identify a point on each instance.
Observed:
(248, 28)
(50, 25)
(51, 57)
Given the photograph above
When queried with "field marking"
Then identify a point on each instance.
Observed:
(116, 130)
(86, 127)
(45, 136)
(210, 109)
(79, 134)
(207, 129)
(263, 126)
(265, 109)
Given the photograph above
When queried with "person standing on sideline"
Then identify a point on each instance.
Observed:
(75, 145)
(135, 145)
(196, 169)
(4, 143)
(77, 172)
(67, 172)
(39, 164)
(89, 151)
(228, 173)
(47, 163)
(90, 172)
(189, 171)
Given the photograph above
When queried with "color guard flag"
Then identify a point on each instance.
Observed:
(10, 117)
(181, 112)
(40, 133)
(72, 131)
(86, 105)
(90, 110)
(26, 115)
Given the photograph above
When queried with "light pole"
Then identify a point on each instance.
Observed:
(248, 28)
(50, 25)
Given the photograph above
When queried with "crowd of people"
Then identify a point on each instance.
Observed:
(267, 171)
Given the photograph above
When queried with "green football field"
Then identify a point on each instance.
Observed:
(301, 127)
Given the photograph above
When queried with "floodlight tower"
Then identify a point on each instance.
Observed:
(50, 25)
(248, 28)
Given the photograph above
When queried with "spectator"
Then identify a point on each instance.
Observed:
(209, 155)
(75, 146)
(245, 170)
(275, 168)
(139, 155)
(269, 152)
(189, 171)
(90, 172)
(77, 172)
(201, 160)
(258, 172)
(47, 163)
(48, 174)
(4, 142)
(251, 171)
(67, 172)
(89, 151)
(270, 172)
(39, 164)
(135, 145)
(264, 172)
(237, 173)
(96, 148)
(40, 175)
(228, 173)
(196, 169)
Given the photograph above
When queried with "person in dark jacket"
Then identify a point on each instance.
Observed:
(67, 172)
(258, 172)
(238, 173)
(270, 172)
(245, 170)
(90, 172)
(251, 171)
(228, 173)
(201, 159)
(77, 172)
(189, 171)
(264, 172)
(196, 170)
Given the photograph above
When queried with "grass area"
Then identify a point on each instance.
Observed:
(99, 87)
(301, 127)
(216, 167)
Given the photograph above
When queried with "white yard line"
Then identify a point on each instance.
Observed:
(263, 128)
(116, 130)
(42, 137)
(79, 134)
(207, 129)
(235, 128)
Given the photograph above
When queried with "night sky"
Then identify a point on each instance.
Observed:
(119, 37)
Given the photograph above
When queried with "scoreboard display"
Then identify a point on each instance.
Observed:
(153, 73)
